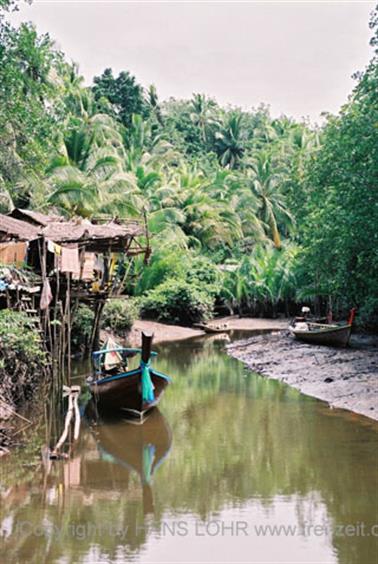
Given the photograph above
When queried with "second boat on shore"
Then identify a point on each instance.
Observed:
(334, 335)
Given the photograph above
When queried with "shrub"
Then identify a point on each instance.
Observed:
(177, 301)
(204, 274)
(119, 315)
(192, 267)
(82, 327)
(163, 266)
(367, 315)
(22, 358)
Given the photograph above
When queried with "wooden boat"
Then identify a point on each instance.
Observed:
(212, 329)
(131, 392)
(323, 334)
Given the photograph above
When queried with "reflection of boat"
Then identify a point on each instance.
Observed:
(139, 448)
(218, 337)
(132, 391)
(323, 334)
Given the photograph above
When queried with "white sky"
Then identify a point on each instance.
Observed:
(298, 57)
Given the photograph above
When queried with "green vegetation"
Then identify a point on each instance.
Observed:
(280, 212)
(177, 301)
(21, 356)
(119, 315)
(82, 324)
(264, 282)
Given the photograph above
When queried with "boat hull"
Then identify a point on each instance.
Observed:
(210, 329)
(123, 393)
(214, 330)
(332, 336)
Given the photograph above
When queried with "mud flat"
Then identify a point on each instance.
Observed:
(162, 332)
(345, 378)
(165, 333)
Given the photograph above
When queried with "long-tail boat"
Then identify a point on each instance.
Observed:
(324, 334)
(211, 328)
(132, 392)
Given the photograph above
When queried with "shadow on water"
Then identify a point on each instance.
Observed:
(228, 446)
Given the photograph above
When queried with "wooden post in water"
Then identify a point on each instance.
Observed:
(69, 328)
(146, 346)
(95, 335)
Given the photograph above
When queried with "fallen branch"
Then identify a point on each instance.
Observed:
(7, 406)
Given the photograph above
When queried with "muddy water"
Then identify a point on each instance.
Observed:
(233, 468)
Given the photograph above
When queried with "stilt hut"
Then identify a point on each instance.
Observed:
(71, 262)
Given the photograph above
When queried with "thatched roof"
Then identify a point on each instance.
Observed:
(11, 228)
(34, 217)
(96, 237)
(71, 231)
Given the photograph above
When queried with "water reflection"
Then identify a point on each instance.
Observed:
(134, 448)
(245, 449)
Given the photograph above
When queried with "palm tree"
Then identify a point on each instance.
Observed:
(229, 140)
(202, 113)
(97, 191)
(266, 186)
(88, 175)
(77, 99)
(153, 103)
(207, 221)
(146, 148)
(302, 143)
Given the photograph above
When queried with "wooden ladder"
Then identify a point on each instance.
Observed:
(27, 305)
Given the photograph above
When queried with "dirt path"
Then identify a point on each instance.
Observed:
(345, 378)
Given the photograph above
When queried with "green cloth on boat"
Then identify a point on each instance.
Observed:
(147, 386)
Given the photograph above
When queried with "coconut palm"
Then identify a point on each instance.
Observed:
(88, 176)
(97, 191)
(266, 185)
(229, 140)
(209, 221)
(77, 99)
(146, 148)
(153, 103)
(203, 113)
(302, 143)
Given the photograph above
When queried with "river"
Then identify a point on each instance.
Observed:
(233, 468)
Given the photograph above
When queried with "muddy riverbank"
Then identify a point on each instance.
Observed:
(165, 333)
(345, 378)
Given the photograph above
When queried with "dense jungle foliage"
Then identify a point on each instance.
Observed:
(247, 213)
(22, 358)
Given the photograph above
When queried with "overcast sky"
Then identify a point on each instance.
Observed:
(298, 57)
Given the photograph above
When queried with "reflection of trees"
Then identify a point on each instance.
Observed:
(236, 437)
